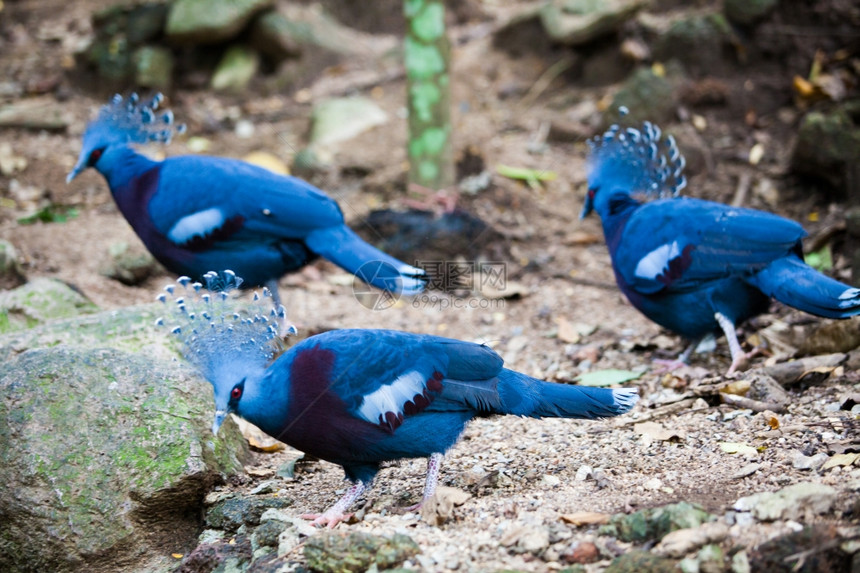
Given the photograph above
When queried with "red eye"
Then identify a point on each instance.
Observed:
(236, 393)
(96, 155)
(591, 193)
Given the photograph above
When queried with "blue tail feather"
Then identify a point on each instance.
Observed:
(343, 247)
(793, 282)
(526, 396)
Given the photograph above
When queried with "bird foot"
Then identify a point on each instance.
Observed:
(329, 519)
(741, 362)
(415, 507)
(664, 365)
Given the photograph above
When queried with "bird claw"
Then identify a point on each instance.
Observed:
(328, 520)
(665, 366)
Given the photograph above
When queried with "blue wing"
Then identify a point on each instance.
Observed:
(680, 244)
(199, 196)
(384, 376)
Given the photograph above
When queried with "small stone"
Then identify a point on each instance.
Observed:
(210, 21)
(342, 119)
(11, 273)
(577, 22)
(130, 265)
(802, 462)
(153, 67)
(746, 471)
(551, 480)
(267, 534)
(581, 552)
(526, 539)
(682, 541)
(236, 69)
(583, 473)
(711, 559)
(653, 484)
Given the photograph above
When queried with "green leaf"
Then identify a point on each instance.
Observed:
(50, 214)
(607, 377)
(738, 448)
(820, 260)
(531, 176)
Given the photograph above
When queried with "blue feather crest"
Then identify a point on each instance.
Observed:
(219, 331)
(639, 159)
(139, 121)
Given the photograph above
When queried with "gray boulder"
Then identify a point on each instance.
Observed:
(577, 22)
(210, 21)
(105, 451)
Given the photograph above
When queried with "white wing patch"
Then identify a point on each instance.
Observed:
(198, 224)
(848, 297)
(655, 262)
(390, 398)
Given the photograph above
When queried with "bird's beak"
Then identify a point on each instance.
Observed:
(219, 419)
(587, 208)
(76, 171)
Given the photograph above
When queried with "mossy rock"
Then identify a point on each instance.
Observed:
(105, 448)
(39, 301)
(210, 21)
(827, 141)
(339, 553)
(654, 523)
(639, 561)
(748, 12)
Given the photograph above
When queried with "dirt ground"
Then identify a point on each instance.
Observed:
(557, 265)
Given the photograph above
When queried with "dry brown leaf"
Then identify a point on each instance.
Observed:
(738, 388)
(258, 439)
(657, 432)
(439, 508)
(580, 518)
(567, 332)
(258, 472)
(770, 419)
(582, 238)
(840, 460)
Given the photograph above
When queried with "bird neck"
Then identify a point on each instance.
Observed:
(121, 163)
(614, 212)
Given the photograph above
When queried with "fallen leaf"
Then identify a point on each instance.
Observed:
(439, 508)
(738, 448)
(268, 161)
(582, 238)
(257, 472)
(658, 432)
(177, 555)
(567, 332)
(770, 419)
(738, 388)
(580, 518)
(511, 290)
(840, 460)
(607, 377)
(258, 439)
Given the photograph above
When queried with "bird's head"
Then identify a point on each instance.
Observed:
(231, 343)
(119, 123)
(631, 162)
